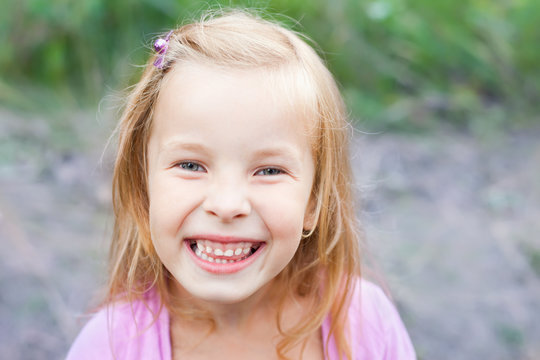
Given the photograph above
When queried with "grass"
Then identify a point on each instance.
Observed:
(406, 65)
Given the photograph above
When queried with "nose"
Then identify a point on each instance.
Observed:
(227, 200)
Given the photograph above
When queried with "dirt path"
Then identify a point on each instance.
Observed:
(452, 221)
(455, 225)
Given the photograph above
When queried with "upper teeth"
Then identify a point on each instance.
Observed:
(205, 247)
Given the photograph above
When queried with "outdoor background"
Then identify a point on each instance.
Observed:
(445, 97)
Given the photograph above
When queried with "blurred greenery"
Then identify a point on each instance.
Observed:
(403, 64)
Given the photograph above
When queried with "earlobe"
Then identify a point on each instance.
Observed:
(309, 218)
(309, 227)
(308, 223)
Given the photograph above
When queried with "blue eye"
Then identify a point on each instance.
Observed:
(190, 166)
(269, 172)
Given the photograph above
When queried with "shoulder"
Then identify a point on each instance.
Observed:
(125, 331)
(377, 331)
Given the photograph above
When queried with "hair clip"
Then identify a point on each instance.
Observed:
(160, 46)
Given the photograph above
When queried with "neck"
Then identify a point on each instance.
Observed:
(240, 328)
(233, 317)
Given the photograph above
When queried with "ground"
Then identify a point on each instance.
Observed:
(451, 225)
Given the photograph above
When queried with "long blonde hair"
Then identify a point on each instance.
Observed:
(327, 263)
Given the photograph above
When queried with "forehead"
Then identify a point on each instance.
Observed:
(190, 88)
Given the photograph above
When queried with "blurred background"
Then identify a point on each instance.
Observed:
(444, 96)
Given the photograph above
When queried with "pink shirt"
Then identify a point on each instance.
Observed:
(376, 330)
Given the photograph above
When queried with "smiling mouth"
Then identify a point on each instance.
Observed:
(223, 253)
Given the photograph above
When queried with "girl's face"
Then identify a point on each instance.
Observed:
(230, 172)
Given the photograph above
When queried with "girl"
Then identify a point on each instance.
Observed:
(235, 234)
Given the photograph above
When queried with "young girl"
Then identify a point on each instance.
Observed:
(235, 234)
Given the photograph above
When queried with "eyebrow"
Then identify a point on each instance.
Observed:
(277, 152)
(280, 151)
(179, 144)
(286, 153)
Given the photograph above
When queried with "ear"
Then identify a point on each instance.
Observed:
(309, 217)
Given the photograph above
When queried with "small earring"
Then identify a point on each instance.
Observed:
(306, 233)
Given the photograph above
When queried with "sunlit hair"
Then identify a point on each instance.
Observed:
(327, 262)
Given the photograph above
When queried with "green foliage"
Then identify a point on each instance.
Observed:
(510, 335)
(533, 256)
(403, 64)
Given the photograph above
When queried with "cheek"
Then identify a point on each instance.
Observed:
(286, 205)
(284, 217)
(169, 204)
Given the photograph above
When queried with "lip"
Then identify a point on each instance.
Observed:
(222, 239)
(228, 268)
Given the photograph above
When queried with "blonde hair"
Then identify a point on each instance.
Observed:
(326, 264)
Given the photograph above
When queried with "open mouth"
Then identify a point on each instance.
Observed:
(223, 253)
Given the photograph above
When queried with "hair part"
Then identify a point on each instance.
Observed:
(327, 261)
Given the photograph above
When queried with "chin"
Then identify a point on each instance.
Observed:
(220, 294)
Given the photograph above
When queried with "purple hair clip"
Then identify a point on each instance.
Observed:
(160, 46)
